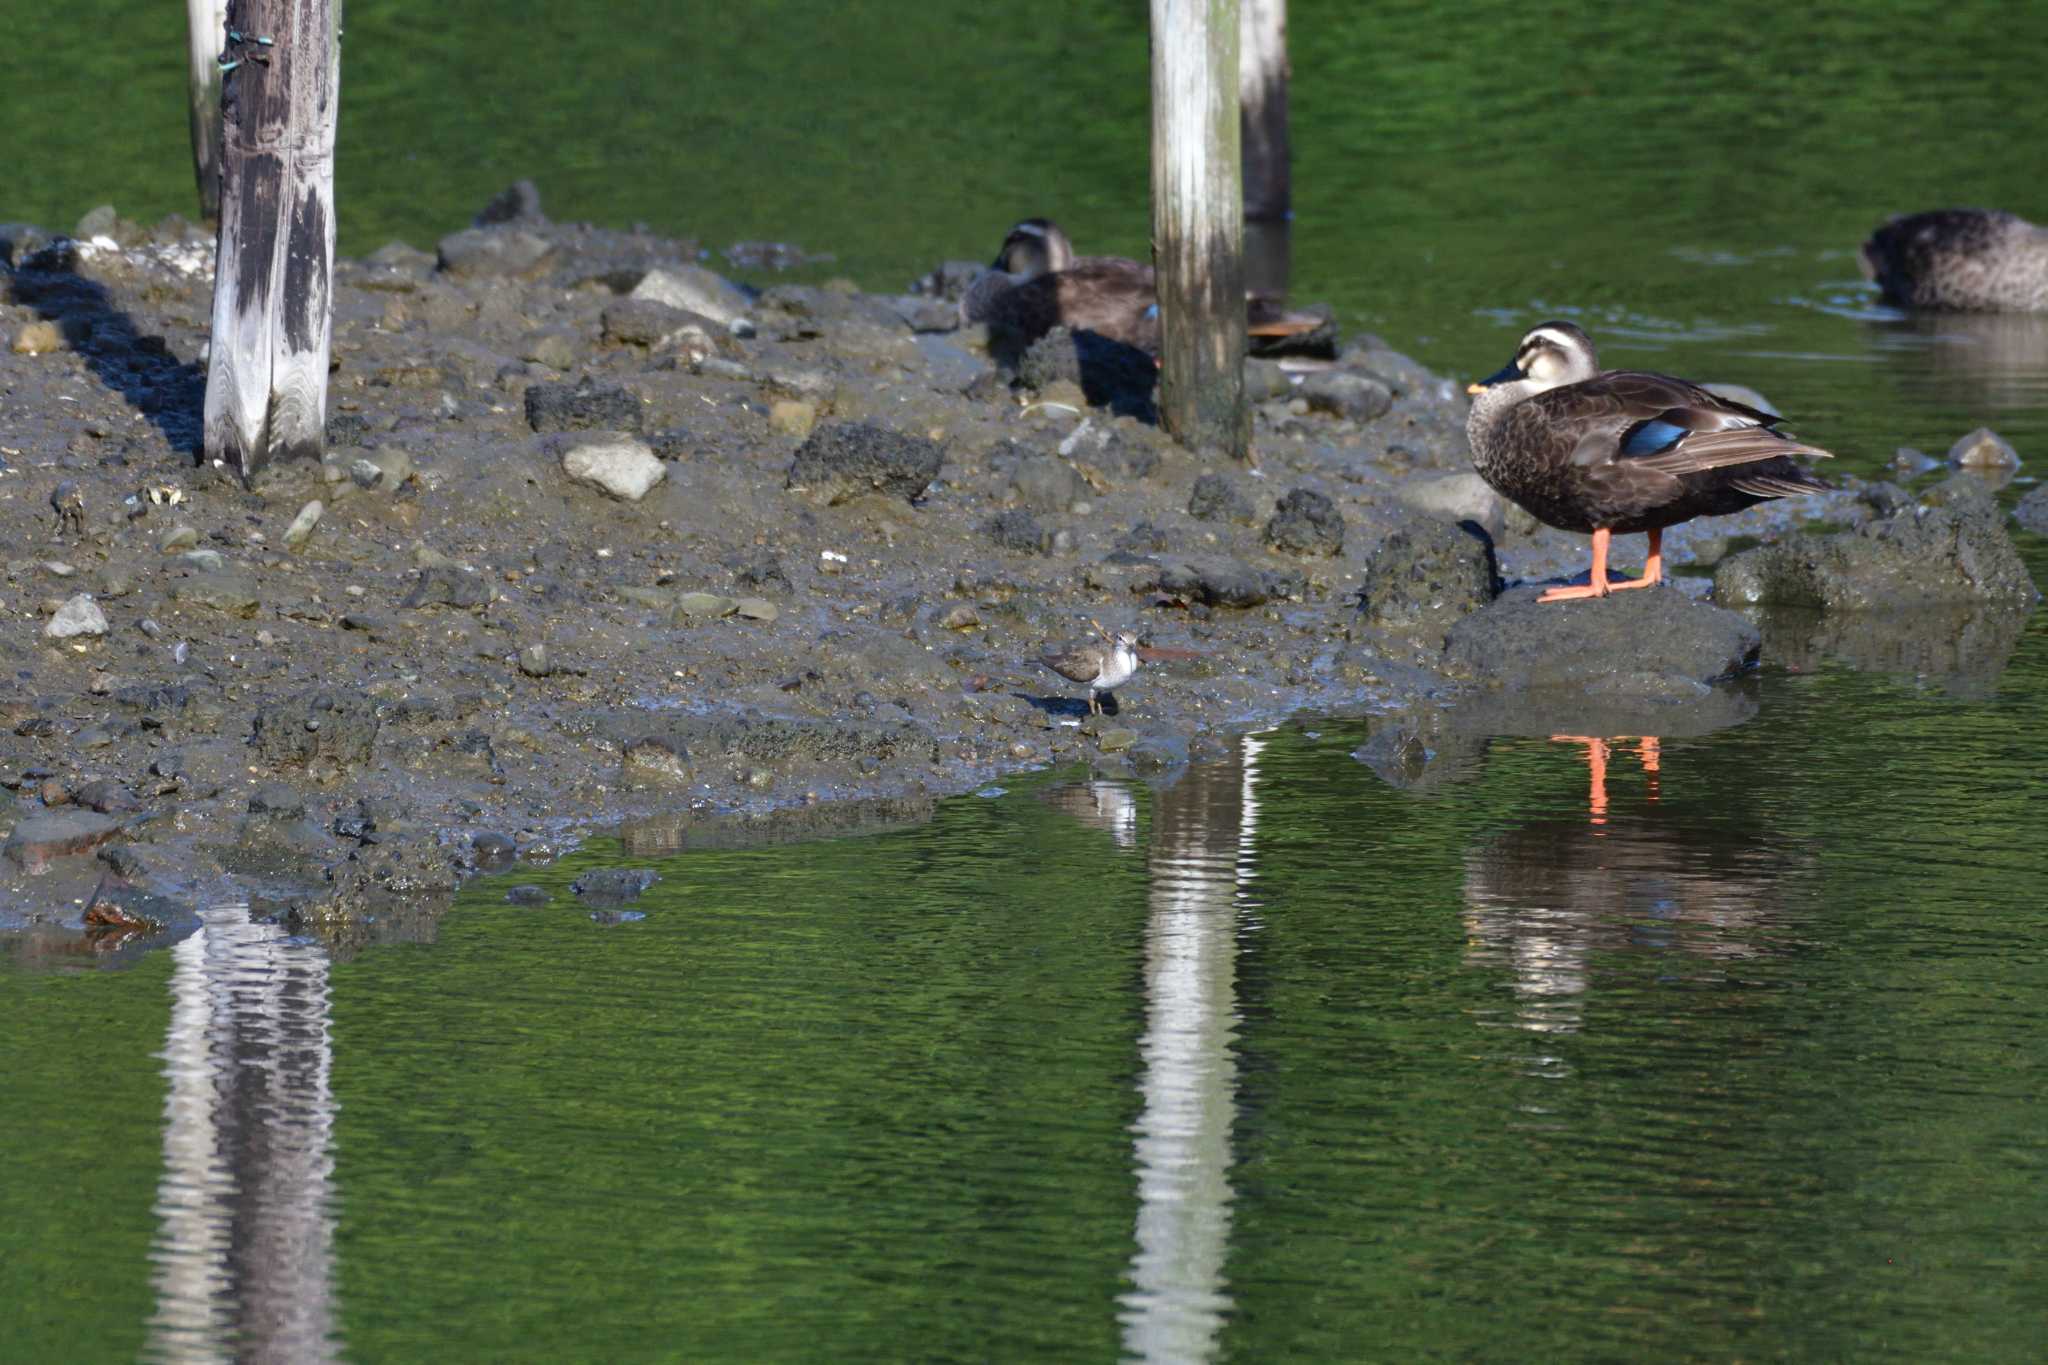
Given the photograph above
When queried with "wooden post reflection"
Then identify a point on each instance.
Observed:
(1200, 858)
(245, 1240)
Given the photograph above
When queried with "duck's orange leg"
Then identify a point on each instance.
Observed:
(1598, 587)
(1596, 761)
(1653, 567)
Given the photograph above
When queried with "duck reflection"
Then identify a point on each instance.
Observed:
(1975, 359)
(1548, 900)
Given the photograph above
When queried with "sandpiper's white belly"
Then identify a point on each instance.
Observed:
(1116, 670)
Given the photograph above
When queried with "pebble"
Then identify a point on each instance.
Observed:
(534, 662)
(756, 609)
(705, 604)
(38, 338)
(203, 561)
(1983, 449)
(792, 417)
(302, 525)
(179, 538)
(623, 468)
(79, 616)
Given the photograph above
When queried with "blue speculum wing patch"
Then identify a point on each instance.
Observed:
(1651, 438)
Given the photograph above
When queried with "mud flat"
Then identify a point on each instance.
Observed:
(603, 536)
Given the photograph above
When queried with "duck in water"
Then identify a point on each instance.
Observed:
(1607, 453)
(1960, 261)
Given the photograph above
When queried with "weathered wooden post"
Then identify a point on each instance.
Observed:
(1198, 224)
(1262, 90)
(206, 23)
(266, 381)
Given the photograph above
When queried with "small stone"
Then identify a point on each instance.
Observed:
(364, 474)
(622, 467)
(1455, 498)
(1115, 741)
(449, 586)
(694, 289)
(553, 349)
(614, 884)
(792, 417)
(1217, 497)
(222, 592)
(1353, 397)
(203, 560)
(79, 616)
(38, 338)
(1306, 523)
(1045, 483)
(1983, 449)
(961, 617)
(847, 459)
(296, 534)
(494, 253)
(1017, 531)
(584, 406)
(756, 609)
(527, 896)
(179, 538)
(705, 604)
(534, 661)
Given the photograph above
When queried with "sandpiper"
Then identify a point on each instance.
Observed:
(1103, 664)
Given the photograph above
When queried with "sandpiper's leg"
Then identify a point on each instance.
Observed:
(1094, 702)
(1653, 567)
(1598, 587)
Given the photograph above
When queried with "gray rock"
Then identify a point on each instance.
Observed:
(492, 851)
(1983, 449)
(228, 593)
(1017, 531)
(2032, 511)
(1353, 397)
(583, 406)
(1306, 523)
(623, 468)
(527, 896)
(649, 323)
(494, 253)
(202, 561)
(178, 538)
(325, 729)
(1655, 643)
(40, 840)
(278, 801)
(1264, 379)
(1045, 483)
(614, 885)
(1425, 576)
(1950, 547)
(553, 348)
(534, 661)
(79, 616)
(843, 460)
(926, 314)
(106, 796)
(1217, 581)
(694, 289)
(1455, 498)
(1218, 497)
(446, 586)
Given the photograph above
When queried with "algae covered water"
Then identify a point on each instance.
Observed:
(1394, 1037)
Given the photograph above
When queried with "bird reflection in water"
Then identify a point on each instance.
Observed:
(1108, 806)
(1557, 901)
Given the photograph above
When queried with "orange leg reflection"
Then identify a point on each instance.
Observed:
(1649, 751)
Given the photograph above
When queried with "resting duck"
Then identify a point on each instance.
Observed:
(1615, 452)
(1960, 260)
(1037, 283)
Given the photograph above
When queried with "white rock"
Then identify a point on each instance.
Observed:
(695, 288)
(80, 616)
(303, 524)
(621, 466)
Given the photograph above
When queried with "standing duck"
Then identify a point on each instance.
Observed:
(1037, 283)
(1615, 452)
(1960, 260)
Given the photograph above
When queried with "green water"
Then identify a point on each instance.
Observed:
(1281, 1062)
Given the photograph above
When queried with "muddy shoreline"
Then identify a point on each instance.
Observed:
(603, 536)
